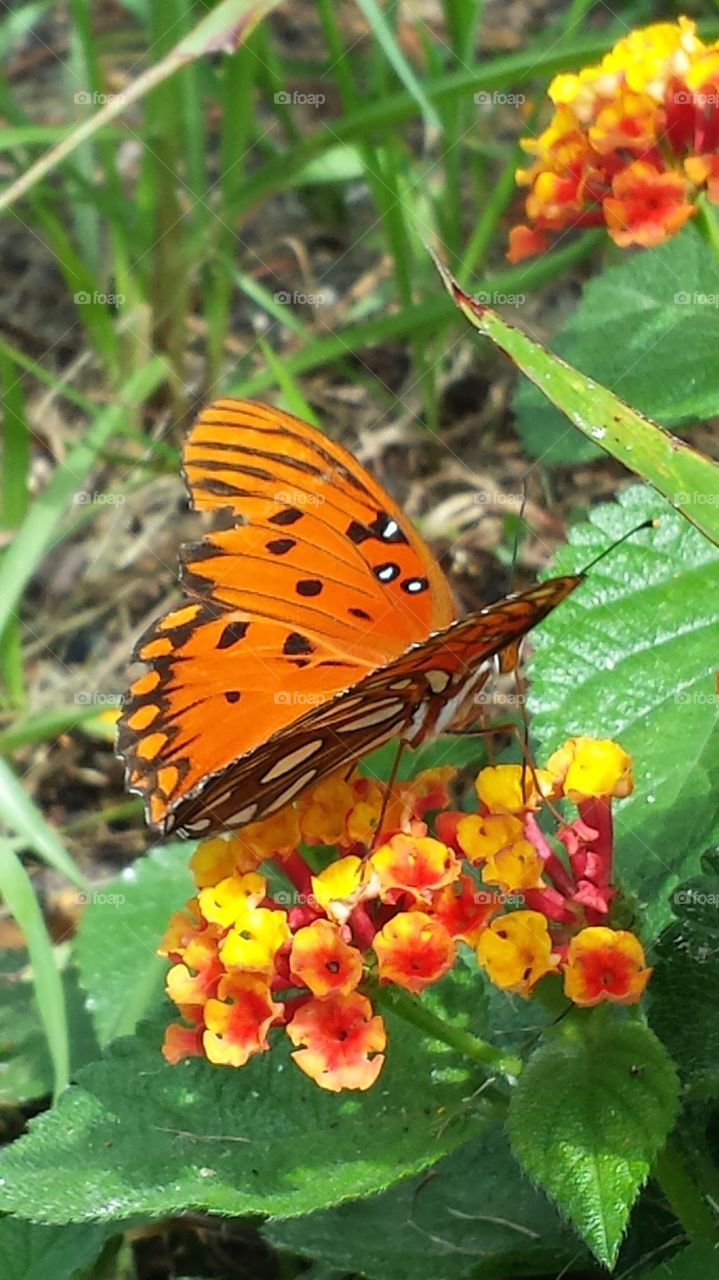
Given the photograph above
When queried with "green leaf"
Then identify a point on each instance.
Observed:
(21, 815)
(475, 1216)
(116, 943)
(631, 655)
(649, 329)
(589, 1114)
(31, 1252)
(683, 1006)
(17, 890)
(137, 1136)
(686, 477)
(25, 1064)
(698, 1262)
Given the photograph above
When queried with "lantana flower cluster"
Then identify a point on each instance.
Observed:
(270, 941)
(631, 144)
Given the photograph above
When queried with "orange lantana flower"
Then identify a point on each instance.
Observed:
(605, 964)
(339, 1042)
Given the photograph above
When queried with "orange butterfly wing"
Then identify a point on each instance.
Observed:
(319, 581)
(413, 696)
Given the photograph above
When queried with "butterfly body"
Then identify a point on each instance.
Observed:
(318, 627)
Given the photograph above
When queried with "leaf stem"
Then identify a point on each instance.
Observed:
(684, 1196)
(410, 1010)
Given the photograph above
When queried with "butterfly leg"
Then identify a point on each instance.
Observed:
(388, 789)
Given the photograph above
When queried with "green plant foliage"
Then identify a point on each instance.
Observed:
(32, 1252)
(648, 328)
(475, 1216)
(25, 1066)
(631, 655)
(137, 1136)
(590, 1112)
(683, 990)
(116, 944)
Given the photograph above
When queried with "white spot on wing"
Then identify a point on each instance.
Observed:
(242, 816)
(288, 762)
(294, 789)
(200, 824)
(377, 716)
(437, 680)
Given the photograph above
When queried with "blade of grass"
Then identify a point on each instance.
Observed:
(13, 506)
(384, 35)
(21, 815)
(36, 532)
(291, 391)
(688, 479)
(417, 318)
(224, 28)
(19, 894)
(38, 726)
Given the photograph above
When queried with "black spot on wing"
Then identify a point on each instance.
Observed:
(231, 634)
(360, 613)
(308, 587)
(280, 546)
(296, 644)
(288, 515)
(233, 695)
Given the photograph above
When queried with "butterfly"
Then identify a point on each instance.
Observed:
(318, 626)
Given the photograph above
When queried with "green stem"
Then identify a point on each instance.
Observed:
(684, 1196)
(707, 223)
(410, 1010)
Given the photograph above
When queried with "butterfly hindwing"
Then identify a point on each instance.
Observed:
(408, 698)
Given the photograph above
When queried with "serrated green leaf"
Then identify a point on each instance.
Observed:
(631, 655)
(656, 311)
(137, 1136)
(32, 1252)
(683, 1006)
(587, 1118)
(689, 479)
(475, 1216)
(116, 943)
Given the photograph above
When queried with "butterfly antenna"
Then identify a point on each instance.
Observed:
(651, 523)
(515, 541)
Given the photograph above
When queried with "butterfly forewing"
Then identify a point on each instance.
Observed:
(319, 581)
